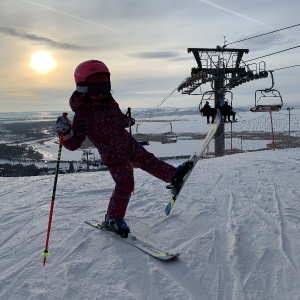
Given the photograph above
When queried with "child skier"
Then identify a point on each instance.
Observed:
(99, 118)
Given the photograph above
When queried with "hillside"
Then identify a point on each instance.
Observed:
(236, 226)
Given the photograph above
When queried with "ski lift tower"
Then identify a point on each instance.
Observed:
(221, 67)
(87, 157)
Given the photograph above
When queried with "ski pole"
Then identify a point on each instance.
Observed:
(129, 115)
(130, 131)
(61, 138)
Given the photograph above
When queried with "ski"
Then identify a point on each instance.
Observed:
(194, 159)
(136, 242)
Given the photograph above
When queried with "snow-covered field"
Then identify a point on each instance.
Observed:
(236, 225)
(190, 123)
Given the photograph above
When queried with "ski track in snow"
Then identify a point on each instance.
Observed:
(236, 226)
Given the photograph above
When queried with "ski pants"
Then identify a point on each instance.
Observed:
(122, 173)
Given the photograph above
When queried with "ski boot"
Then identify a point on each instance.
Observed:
(181, 171)
(117, 225)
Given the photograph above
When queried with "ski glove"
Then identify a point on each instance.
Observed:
(63, 125)
(131, 122)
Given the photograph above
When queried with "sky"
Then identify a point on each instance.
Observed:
(144, 44)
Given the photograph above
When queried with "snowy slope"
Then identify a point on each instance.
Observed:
(236, 225)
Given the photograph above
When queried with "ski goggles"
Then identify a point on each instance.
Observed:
(95, 89)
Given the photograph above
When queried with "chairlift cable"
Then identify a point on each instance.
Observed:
(161, 102)
(286, 67)
(256, 36)
(273, 53)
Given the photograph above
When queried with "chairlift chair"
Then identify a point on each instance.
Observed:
(211, 97)
(169, 137)
(141, 138)
(268, 100)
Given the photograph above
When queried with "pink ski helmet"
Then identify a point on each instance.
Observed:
(88, 68)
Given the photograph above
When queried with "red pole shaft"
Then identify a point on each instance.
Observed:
(273, 142)
(61, 139)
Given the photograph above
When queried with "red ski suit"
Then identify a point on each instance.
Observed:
(104, 124)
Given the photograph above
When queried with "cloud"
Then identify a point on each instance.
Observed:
(155, 55)
(40, 39)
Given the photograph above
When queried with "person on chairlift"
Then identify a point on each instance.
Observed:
(227, 112)
(207, 111)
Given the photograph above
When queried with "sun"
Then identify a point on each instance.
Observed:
(42, 62)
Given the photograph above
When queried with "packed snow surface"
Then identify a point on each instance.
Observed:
(236, 225)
